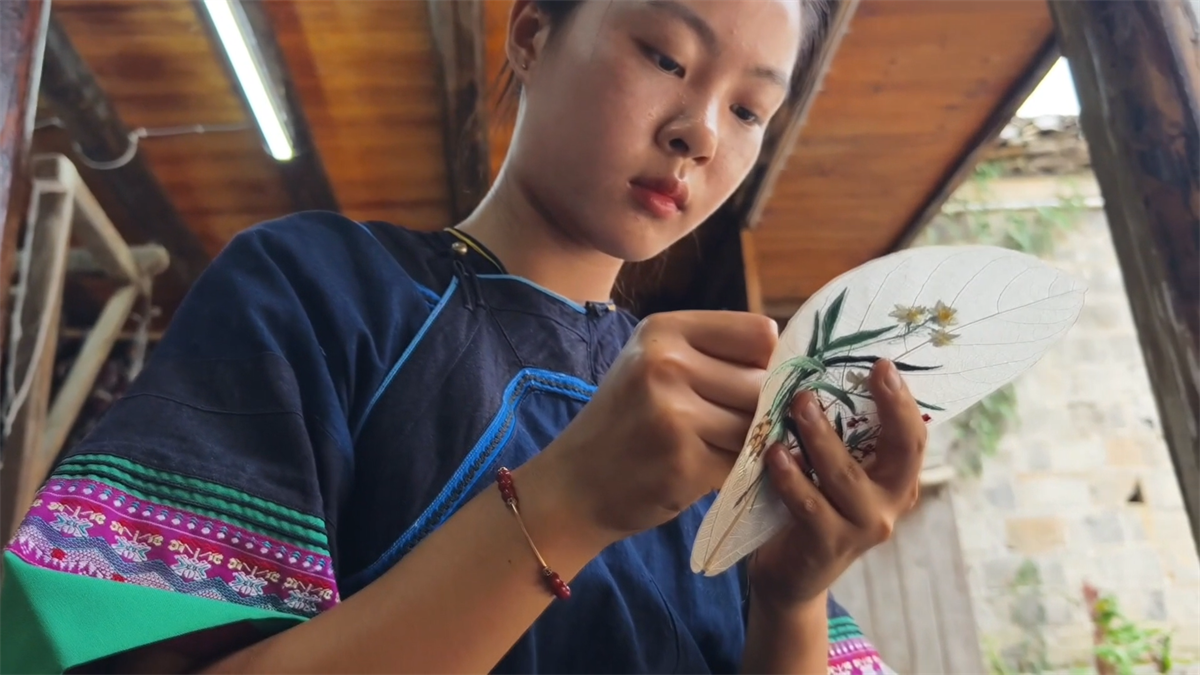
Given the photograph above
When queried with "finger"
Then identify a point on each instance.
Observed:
(720, 427)
(726, 384)
(840, 477)
(715, 466)
(805, 502)
(736, 337)
(900, 449)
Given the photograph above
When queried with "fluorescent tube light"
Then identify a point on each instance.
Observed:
(263, 104)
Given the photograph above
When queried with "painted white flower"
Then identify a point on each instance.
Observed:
(909, 315)
(944, 315)
(941, 338)
(856, 379)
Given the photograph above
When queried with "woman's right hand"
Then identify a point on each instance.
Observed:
(667, 422)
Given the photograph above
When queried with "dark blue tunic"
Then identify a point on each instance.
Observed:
(328, 394)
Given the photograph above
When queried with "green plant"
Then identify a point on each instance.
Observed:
(1030, 655)
(984, 426)
(1122, 644)
(980, 428)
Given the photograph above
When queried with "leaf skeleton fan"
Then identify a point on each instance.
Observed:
(959, 322)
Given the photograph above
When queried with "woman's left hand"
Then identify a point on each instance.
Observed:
(855, 507)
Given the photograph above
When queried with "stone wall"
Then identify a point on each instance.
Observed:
(1083, 489)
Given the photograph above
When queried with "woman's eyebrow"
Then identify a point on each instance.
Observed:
(708, 37)
(770, 74)
(693, 20)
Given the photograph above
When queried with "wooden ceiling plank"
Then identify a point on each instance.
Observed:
(1136, 67)
(759, 187)
(92, 121)
(458, 38)
(987, 134)
(303, 175)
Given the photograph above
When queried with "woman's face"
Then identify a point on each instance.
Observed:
(642, 116)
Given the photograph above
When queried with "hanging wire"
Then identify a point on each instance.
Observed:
(8, 413)
(135, 136)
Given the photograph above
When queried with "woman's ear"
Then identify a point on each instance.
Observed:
(528, 28)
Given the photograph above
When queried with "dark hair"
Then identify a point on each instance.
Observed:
(814, 18)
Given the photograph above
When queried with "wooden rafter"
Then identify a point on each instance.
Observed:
(92, 122)
(304, 175)
(65, 210)
(1136, 66)
(22, 41)
(458, 37)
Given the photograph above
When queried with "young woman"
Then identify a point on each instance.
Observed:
(310, 475)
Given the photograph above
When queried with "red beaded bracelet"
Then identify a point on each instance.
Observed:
(508, 491)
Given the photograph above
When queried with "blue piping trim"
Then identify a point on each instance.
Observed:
(432, 298)
(404, 357)
(487, 448)
(571, 303)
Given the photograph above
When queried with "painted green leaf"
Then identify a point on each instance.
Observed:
(864, 361)
(929, 406)
(812, 341)
(839, 425)
(836, 392)
(909, 368)
(799, 363)
(855, 339)
(831, 318)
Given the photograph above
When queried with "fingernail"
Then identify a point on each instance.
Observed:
(809, 410)
(781, 460)
(891, 377)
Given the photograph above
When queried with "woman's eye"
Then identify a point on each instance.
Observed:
(744, 114)
(667, 64)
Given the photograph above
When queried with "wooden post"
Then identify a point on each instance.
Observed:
(22, 42)
(32, 356)
(1136, 66)
(753, 281)
(457, 30)
(65, 209)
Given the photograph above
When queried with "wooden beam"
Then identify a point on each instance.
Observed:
(77, 387)
(755, 193)
(32, 355)
(93, 124)
(22, 42)
(1136, 66)
(148, 260)
(304, 175)
(458, 38)
(987, 134)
